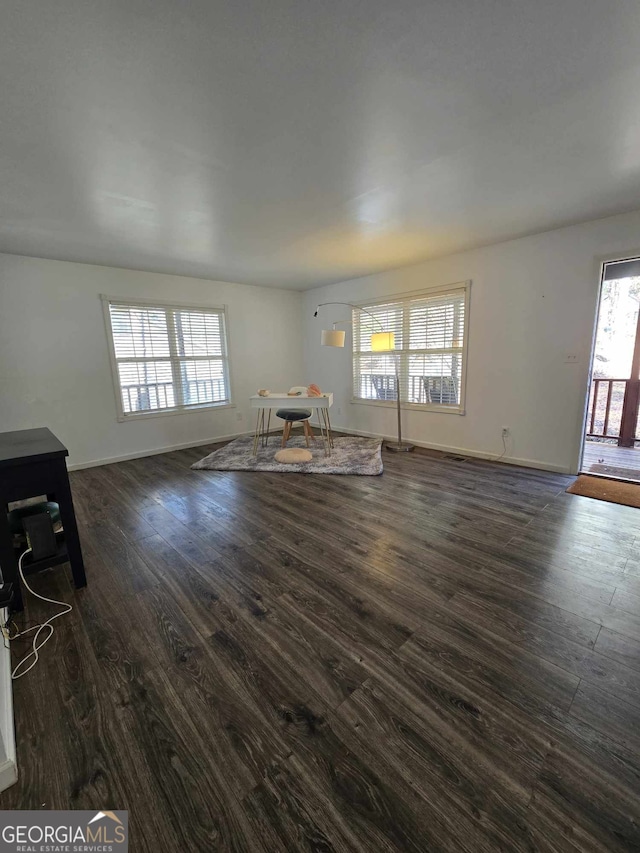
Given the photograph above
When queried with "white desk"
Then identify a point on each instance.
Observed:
(281, 400)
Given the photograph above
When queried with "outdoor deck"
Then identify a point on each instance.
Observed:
(611, 460)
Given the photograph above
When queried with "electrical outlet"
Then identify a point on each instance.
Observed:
(238, 416)
(571, 358)
(338, 411)
(506, 431)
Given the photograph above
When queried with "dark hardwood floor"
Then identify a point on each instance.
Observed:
(443, 658)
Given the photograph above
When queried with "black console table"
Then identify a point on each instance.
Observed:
(32, 463)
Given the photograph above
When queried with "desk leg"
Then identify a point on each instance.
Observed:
(258, 432)
(8, 562)
(325, 437)
(64, 499)
(265, 435)
(262, 422)
(329, 431)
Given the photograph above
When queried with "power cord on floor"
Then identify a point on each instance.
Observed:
(504, 444)
(46, 625)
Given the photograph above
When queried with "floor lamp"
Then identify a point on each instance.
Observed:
(382, 341)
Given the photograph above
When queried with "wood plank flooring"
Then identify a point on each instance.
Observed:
(443, 658)
(610, 460)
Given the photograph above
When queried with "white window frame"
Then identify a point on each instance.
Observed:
(123, 416)
(459, 409)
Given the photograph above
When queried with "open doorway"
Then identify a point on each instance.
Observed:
(612, 432)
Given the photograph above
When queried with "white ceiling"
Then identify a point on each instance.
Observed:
(297, 142)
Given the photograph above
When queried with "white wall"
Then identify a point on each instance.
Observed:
(54, 363)
(533, 302)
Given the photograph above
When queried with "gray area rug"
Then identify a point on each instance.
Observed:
(350, 455)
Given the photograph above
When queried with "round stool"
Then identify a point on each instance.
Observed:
(291, 416)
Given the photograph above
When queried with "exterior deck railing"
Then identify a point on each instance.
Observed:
(156, 396)
(379, 386)
(382, 386)
(613, 411)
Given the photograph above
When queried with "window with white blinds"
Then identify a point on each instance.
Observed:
(429, 355)
(167, 358)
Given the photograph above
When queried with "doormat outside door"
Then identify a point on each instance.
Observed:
(602, 489)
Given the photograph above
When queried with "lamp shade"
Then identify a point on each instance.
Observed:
(383, 342)
(333, 337)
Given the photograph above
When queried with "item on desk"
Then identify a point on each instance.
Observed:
(314, 391)
(262, 392)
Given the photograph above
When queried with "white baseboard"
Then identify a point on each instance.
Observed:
(445, 448)
(464, 451)
(140, 454)
(8, 765)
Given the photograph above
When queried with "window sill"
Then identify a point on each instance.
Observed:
(164, 413)
(416, 407)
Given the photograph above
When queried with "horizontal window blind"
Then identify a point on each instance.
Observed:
(168, 358)
(429, 355)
